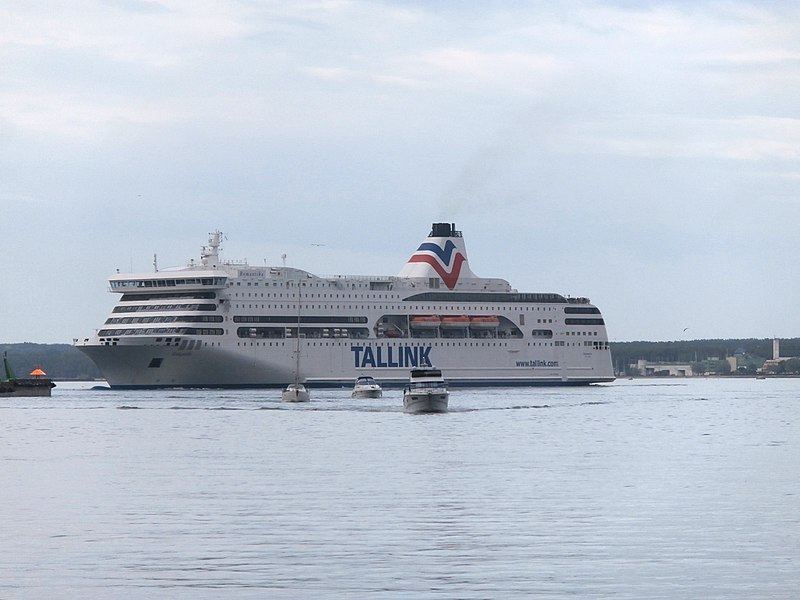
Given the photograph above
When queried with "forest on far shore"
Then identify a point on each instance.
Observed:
(59, 361)
(65, 362)
(707, 356)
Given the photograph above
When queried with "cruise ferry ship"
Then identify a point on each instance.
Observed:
(216, 323)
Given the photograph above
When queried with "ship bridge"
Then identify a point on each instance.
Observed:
(169, 280)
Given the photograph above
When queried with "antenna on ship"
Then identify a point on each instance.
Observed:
(210, 253)
(155, 262)
(283, 258)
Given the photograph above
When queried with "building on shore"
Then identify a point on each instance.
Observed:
(658, 369)
(774, 364)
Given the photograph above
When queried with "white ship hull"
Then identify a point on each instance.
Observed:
(217, 324)
(425, 402)
(127, 366)
(363, 394)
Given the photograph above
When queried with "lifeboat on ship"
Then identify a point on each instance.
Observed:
(456, 322)
(484, 322)
(424, 322)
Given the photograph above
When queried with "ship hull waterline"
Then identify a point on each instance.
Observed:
(125, 367)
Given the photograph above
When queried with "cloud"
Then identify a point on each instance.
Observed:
(475, 68)
(638, 129)
(755, 138)
(76, 116)
(8, 198)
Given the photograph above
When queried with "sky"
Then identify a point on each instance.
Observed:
(643, 154)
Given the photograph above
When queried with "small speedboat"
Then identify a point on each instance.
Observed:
(426, 391)
(295, 392)
(367, 387)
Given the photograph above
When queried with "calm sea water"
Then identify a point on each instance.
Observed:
(637, 489)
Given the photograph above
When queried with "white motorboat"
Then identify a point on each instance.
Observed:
(426, 392)
(295, 392)
(367, 387)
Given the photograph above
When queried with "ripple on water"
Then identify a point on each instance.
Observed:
(632, 491)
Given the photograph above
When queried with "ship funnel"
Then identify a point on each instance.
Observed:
(443, 230)
(442, 255)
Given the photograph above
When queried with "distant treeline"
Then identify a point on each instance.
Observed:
(59, 361)
(694, 351)
(63, 361)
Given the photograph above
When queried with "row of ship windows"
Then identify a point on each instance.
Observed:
(548, 333)
(304, 284)
(213, 307)
(156, 283)
(337, 319)
(244, 332)
(163, 307)
(161, 330)
(515, 297)
(594, 345)
(178, 343)
(294, 319)
(171, 296)
(473, 298)
(255, 319)
(398, 307)
(286, 320)
(305, 295)
(165, 319)
(112, 341)
(568, 320)
(597, 345)
(433, 282)
(363, 332)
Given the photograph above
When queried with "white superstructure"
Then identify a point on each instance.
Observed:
(224, 324)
